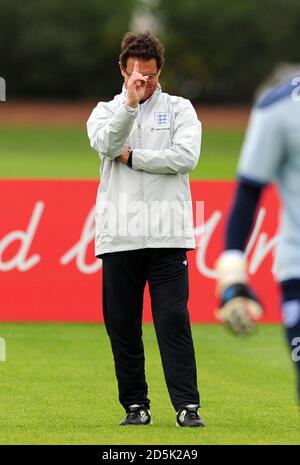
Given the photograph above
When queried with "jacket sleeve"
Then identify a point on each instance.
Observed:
(108, 129)
(184, 154)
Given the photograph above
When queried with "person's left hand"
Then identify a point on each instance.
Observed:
(123, 158)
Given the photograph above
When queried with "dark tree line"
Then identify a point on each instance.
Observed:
(216, 50)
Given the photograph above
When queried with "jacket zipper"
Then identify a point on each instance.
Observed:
(140, 141)
(142, 173)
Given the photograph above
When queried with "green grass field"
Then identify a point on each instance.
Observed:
(58, 384)
(65, 153)
(58, 387)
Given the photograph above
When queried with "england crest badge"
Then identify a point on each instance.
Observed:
(161, 117)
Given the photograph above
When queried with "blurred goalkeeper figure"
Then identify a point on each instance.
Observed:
(271, 151)
(148, 141)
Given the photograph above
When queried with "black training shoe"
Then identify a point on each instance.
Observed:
(137, 415)
(188, 416)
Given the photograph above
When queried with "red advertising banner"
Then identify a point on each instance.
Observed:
(48, 271)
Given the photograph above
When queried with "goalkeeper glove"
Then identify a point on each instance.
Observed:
(239, 306)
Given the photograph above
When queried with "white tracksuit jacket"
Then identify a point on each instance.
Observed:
(148, 205)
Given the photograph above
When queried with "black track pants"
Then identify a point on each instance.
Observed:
(124, 279)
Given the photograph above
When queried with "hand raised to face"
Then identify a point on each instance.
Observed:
(136, 86)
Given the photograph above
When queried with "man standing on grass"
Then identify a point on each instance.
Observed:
(148, 141)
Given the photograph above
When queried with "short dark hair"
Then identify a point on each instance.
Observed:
(142, 45)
